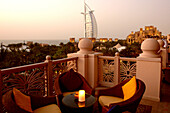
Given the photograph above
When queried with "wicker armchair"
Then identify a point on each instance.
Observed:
(36, 103)
(69, 82)
(130, 104)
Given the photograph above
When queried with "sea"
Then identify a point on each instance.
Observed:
(50, 42)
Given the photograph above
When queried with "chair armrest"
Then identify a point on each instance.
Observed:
(10, 105)
(132, 103)
(115, 91)
(105, 109)
(37, 102)
(128, 105)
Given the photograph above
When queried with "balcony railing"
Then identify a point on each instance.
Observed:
(106, 68)
(127, 68)
(113, 70)
(34, 79)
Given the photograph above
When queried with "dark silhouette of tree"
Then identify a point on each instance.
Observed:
(95, 45)
(64, 50)
(131, 50)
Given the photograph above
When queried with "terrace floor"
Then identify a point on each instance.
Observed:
(164, 105)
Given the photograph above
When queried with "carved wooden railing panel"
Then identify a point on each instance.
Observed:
(63, 65)
(34, 79)
(29, 79)
(127, 68)
(106, 70)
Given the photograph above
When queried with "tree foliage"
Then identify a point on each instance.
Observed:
(17, 57)
(14, 56)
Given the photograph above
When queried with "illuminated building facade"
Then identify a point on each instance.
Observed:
(168, 38)
(140, 36)
(72, 40)
(116, 39)
(110, 40)
(103, 39)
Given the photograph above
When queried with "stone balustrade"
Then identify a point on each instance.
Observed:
(108, 71)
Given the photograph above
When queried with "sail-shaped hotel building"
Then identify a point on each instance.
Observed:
(90, 30)
(90, 24)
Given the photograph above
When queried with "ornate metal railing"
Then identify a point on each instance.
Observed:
(113, 70)
(34, 79)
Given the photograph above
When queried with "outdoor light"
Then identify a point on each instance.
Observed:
(81, 95)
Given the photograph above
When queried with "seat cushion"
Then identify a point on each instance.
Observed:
(70, 81)
(129, 88)
(107, 100)
(22, 100)
(52, 108)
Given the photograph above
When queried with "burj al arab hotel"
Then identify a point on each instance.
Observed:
(90, 22)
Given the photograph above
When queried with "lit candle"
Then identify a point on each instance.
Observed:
(81, 95)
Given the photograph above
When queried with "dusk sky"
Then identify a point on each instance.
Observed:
(62, 19)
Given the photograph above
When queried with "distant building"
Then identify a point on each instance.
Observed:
(43, 45)
(100, 39)
(103, 39)
(90, 22)
(92, 39)
(140, 36)
(119, 47)
(168, 38)
(116, 39)
(72, 40)
(110, 40)
(29, 43)
(97, 40)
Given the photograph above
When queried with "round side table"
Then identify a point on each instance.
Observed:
(73, 106)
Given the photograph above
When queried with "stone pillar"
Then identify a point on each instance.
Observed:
(87, 61)
(163, 53)
(149, 69)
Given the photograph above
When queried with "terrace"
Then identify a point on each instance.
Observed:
(100, 71)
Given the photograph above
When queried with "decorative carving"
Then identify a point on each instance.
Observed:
(33, 80)
(29, 82)
(64, 66)
(108, 71)
(127, 69)
(59, 68)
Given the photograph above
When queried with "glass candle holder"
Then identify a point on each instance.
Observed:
(81, 95)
